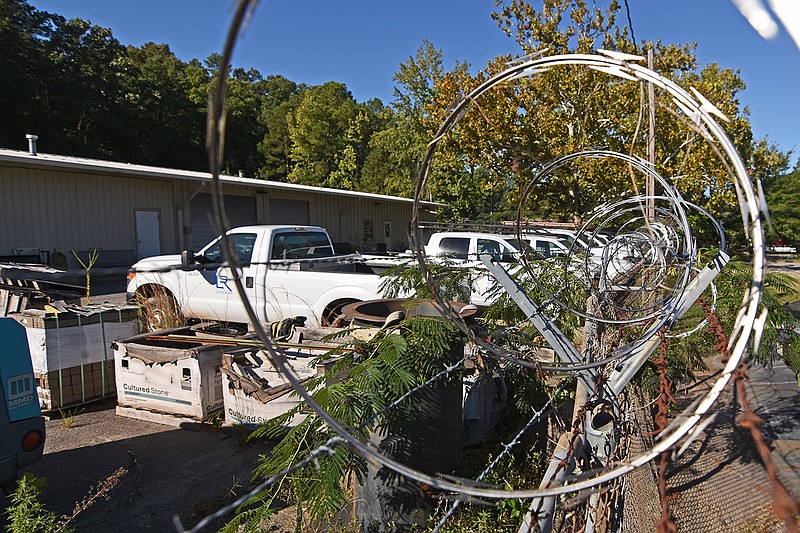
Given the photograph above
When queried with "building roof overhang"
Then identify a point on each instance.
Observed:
(99, 166)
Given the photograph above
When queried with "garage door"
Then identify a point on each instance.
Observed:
(283, 211)
(241, 211)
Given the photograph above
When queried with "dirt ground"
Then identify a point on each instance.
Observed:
(171, 471)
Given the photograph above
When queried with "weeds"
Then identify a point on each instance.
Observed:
(513, 472)
(214, 422)
(27, 514)
(207, 506)
(101, 491)
(87, 266)
(68, 416)
(158, 310)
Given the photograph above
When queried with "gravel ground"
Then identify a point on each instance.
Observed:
(170, 471)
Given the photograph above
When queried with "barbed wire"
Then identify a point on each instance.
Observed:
(659, 248)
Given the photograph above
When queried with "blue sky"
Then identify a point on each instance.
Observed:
(361, 43)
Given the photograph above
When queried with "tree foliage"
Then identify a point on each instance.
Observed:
(784, 206)
(510, 132)
(84, 93)
(281, 97)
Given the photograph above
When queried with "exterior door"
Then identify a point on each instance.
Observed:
(387, 235)
(148, 232)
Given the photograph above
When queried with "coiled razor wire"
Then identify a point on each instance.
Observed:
(696, 109)
(666, 245)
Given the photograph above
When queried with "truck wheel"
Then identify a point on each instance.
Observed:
(160, 312)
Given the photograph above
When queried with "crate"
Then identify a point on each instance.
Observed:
(168, 382)
(72, 353)
(254, 391)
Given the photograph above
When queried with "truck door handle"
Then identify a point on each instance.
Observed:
(248, 282)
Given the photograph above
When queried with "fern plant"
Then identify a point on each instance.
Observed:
(367, 377)
(454, 281)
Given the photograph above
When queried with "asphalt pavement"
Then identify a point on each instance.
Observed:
(169, 471)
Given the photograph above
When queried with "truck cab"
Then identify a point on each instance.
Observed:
(463, 250)
(21, 422)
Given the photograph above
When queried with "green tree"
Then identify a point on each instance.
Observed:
(784, 205)
(393, 154)
(243, 130)
(318, 129)
(415, 92)
(158, 94)
(281, 98)
(397, 147)
(23, 32)
(83, 87)
(346, 174)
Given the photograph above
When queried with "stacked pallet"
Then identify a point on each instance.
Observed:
(72, 354)
(77, 384)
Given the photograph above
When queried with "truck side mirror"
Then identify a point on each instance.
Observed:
(187, 258)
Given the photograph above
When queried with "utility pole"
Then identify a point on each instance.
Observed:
(650, 189)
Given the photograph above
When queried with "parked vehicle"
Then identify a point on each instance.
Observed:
(584, 262)
(568, 236)
(21, 423)
(547, 245)
(286, 271)
(463, 250)
(468, 246)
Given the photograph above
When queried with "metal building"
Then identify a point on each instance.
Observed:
(53, 203)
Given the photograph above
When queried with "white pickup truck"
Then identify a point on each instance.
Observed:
(286, 271)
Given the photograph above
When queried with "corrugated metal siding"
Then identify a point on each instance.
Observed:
(72, 211)
(241, 211)
(64, 210)
(344, 218)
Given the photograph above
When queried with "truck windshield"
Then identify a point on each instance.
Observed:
(243, 244)
(301, 245)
